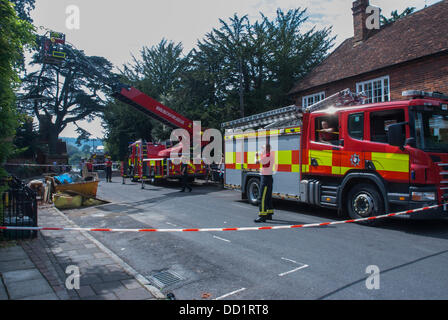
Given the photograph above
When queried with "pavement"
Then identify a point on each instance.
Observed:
(332, 262)
(39, 269)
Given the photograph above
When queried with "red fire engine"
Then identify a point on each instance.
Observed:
(360, 159)
(148, 161)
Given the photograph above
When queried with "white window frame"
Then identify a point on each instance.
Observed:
(316, 97)
(370, 92)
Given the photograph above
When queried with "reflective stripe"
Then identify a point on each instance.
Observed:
(323, 157)
(263, 199)
(283, 157)
(340, 170)
(253, 134)
(251, 159)
(230, 157)
(390, 161)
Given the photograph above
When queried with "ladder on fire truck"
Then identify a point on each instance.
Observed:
(292, 115)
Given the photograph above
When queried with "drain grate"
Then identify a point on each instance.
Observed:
(165, 279)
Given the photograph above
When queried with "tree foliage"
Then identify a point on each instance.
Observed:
(157, 72)
(24, 8)
(394, 15)
(15, 34)
(26, 139)
(58, 95)
(239, 68)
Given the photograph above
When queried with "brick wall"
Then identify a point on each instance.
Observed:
(429, 74)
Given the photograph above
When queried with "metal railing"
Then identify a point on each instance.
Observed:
(18, 208)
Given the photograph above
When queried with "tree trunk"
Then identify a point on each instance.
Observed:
(53, 136)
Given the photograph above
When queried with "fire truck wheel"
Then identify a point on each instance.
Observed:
(363, 201)
(253, 191)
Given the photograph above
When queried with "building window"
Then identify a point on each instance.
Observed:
(312, 99)
(376, 90)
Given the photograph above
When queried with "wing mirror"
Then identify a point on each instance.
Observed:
(395, 135)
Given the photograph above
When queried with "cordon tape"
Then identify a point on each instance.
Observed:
(226, 229)
(52, 165)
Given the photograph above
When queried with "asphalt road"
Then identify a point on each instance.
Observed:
(316, 263)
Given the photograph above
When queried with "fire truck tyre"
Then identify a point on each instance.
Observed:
(363, 201)
(253, 191)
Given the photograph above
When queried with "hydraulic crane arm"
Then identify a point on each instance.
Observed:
(151, 107)
(138, 99)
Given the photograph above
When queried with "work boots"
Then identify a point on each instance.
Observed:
(264, 218)
(260, 219)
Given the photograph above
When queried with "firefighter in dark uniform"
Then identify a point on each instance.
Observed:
(184, 172)
(266, 160)
(108, 170)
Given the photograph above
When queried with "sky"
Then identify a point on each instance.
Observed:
(116, 29)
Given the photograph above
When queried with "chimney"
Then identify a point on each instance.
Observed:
(359, 20)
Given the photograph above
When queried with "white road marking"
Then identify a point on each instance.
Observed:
(294, 270)
(240, 205)
(303, 266)
(221, 239)
(291, 260)
(230, 293)
(171, 224)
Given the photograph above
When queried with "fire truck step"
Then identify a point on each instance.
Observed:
(328, 196)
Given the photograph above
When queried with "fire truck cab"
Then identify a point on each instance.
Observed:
(362, 160)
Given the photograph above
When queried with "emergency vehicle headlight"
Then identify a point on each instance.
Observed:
(423, 196)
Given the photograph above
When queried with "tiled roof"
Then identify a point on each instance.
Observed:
(420, 34)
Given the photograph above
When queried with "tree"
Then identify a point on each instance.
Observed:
(14, 36)
(24, 8)
(86, 148)
(157, 72)
(66, 93)
(252, 65)
(229, 43)
(239, 68)
(26, 139)
(293, 54)
(395, 16)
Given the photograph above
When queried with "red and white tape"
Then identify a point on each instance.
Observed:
(226, 229)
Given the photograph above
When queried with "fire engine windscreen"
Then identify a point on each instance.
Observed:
(431, 130)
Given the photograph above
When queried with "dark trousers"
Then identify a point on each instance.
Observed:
(108, 174)
(265, 196)
(185, 183)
